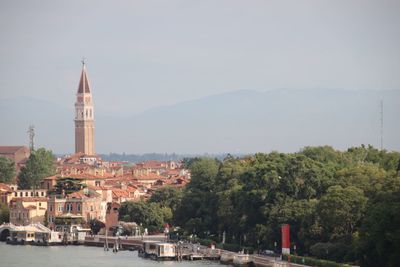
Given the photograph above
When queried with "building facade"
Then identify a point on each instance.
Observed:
(27, 210)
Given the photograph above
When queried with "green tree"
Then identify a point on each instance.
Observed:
(68, 185)
(149, 215)
(4, 213)
(341, 210)
(380, 233)
(198, 209)
(96, 226)
(39, 165)
(368, 177)
(7, 170)
(167, 196)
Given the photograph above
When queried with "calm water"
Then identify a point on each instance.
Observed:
(80, 256)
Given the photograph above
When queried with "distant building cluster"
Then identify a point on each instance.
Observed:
(85, 187)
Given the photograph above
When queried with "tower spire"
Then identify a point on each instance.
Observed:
(84, 87)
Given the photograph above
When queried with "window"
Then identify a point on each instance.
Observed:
(78, 207)
(21, 194)
(91, 208)
(42, 194)
(51, 207)
(16, 194)
(40, 204)
(26, 194)
(32, 194)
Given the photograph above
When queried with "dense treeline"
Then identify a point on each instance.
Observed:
(342, 206)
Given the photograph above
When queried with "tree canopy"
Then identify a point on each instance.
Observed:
(39, 165)
(7, 170)
(331, 199)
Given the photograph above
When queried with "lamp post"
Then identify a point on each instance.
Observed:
(294, 248)
(275, 245)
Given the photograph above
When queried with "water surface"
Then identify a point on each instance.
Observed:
(80, 256)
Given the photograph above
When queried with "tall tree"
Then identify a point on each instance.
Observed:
(39, 165)
(167, 196)
(197, 212)
(7, 170)
(380, 233)
(341, 209)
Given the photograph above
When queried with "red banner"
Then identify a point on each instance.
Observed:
(285, 239)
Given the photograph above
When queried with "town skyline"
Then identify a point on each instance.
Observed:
(184, 59)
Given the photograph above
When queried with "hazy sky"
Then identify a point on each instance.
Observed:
(143, 54)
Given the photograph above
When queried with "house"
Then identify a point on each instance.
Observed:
(5, 193)
(27, 210)
(25, 193)
(79, 206)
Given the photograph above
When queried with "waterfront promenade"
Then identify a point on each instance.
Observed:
(202, 252)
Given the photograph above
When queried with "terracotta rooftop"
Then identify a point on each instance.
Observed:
(81, 194)
(4, 188)
(149, 176)
(11, 149)
(30, 199)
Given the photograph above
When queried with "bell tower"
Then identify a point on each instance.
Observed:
(84, 117)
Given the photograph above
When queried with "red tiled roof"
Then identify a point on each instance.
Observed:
(5, 188)
(29, 199)
(81, 194)
(119, 193)
(149, 176)
(10, 149)
(85, 176)
(78, 194)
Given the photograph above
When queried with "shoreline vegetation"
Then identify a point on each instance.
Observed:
(342, 206)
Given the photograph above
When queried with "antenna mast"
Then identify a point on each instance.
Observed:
(381, 124)
(31, 132)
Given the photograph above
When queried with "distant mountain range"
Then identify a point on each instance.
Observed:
(238, 122)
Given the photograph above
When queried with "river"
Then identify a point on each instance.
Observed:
(80, 256)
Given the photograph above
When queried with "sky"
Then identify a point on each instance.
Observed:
(146, 54)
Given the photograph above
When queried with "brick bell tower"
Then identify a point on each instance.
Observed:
(84, 117)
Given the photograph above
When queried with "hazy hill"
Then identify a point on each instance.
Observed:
(238, 122)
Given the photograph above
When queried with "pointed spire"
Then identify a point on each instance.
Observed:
(84, 82)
